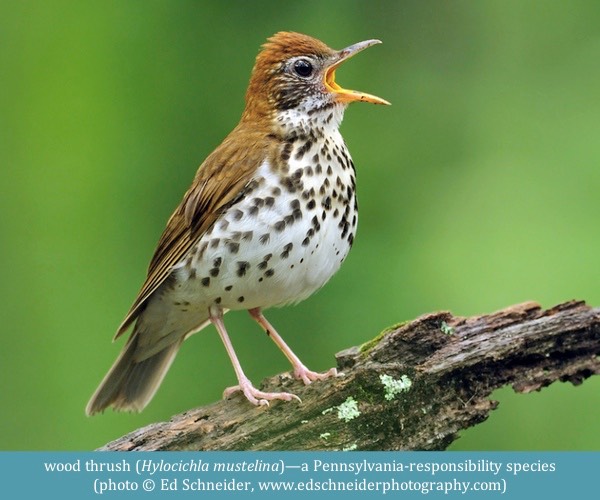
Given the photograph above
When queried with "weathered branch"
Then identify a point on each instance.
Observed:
(451, 363)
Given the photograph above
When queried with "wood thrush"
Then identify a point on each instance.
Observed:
(269, 218)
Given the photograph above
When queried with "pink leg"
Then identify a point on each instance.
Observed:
(253, 395)
(300, 370)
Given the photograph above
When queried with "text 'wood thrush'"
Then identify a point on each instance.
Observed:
(269, 218)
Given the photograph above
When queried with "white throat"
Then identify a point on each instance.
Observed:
(307, 119)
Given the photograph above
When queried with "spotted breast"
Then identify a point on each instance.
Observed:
(286, 237)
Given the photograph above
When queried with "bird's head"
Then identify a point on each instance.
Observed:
(295, 73)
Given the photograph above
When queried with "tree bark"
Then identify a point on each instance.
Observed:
(413, 387)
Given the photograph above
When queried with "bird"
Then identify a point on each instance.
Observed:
(269, 218)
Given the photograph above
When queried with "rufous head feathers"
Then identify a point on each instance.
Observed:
(297, 71)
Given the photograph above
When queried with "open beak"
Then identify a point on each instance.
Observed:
(344, 95)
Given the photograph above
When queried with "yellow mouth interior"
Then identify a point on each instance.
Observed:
(344, 95)
(330, 79)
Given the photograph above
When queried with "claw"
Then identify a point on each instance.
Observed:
(307, 376)
(257, 397)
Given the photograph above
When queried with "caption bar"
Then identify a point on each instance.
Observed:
(513, 475)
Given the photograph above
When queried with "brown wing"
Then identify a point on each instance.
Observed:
(219, 183)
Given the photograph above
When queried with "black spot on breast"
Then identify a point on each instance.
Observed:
(289, 184)
(338, 159)
(269, 201)
(302, 150)
(233, 247)
(205, 281)
(241, 299)
(264, 239)
(228, 288)
(287, 151)
(311, 204)
(237, 214)
(286, 251)
(214, 243)
(252, 185)
(279, 225)
(344, 226)
(242, 267)
(269, 273)
(347, 160)
(201, 249)
(214, 272)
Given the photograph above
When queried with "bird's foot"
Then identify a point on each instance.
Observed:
(307, 376)
(257, 397)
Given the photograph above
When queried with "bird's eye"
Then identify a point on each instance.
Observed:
(303, 68)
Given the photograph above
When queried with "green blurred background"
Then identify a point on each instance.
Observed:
(479, 188)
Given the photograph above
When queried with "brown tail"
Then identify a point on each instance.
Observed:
(130, 385)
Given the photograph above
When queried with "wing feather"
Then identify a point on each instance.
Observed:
(219, 183)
